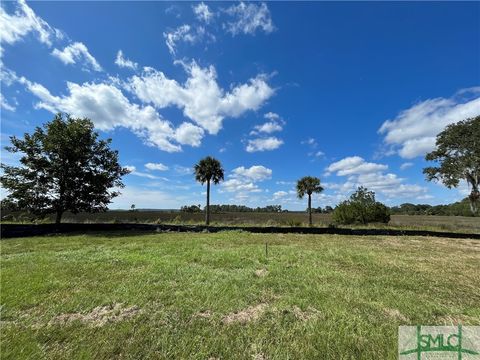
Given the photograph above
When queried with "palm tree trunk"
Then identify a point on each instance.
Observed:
(207, 209)
(309, 210)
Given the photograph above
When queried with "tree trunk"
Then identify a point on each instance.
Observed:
(474, 198)
(309, 210)
(58, 218)
(207, 208)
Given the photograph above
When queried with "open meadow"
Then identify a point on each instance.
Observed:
(220, 296)
(421, 222)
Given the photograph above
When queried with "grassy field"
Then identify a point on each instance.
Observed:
(423, 222)
(217, 296)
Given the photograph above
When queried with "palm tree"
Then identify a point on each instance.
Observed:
(308, 185)
(208, 169)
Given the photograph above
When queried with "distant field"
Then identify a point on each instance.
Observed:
(450, 223)
(217, 296)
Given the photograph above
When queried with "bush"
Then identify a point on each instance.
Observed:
(361, 208)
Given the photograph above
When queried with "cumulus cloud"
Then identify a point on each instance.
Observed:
(264, 144)
(13, 27)
(248, 18)
(200, 97)
(189, 134)
(372, 176)
(268, 128)
(275, 124)
(272, 116)
(255, 173)
(202, 12)
(108, 108)
(242, 181)
(77, 52)
(156, 166)
(354, 165)
(122, 62)
(413, 131)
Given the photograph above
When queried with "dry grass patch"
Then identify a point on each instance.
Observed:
(395, 314)
(261, 272)
(251, 313)
(99, 316)
(204, 314)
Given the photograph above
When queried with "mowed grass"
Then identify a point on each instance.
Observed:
(217, 296)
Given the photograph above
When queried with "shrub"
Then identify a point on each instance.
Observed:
(361, 208)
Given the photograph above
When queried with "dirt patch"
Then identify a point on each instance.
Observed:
(395, 314)
(251, 313)
(99, 316)
(261, 273)
(259, 356)
(204, 314)
(309, 314)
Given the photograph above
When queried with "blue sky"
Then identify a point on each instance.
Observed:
(353, 93)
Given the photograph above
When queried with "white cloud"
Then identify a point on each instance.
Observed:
(354, 165)
(156, 166)
(414, 130)
(248, 18)
(268, 128)
(133, 171)
(406, 165)
(122, 62)
(183, 170)
(263, 144)
(201, 98)
(240, 186)
(13, 27)
(202, 12)
(272, 116)
(255, 173)
(187, 34)
(189, 134)
(311, 142)
(279, 195)
(4, 104)
(242, 181)
(182, 33)
(76, 52)
(371, 176)
(108, 108)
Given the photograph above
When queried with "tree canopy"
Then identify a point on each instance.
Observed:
(361, 208)
(64, 167)
(209, 169)
(457, 154)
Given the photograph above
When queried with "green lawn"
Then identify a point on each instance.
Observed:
(216, 296)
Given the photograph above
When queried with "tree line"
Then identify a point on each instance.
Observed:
(232, 208)
(66, 167)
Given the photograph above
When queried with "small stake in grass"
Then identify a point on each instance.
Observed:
(266, 251)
